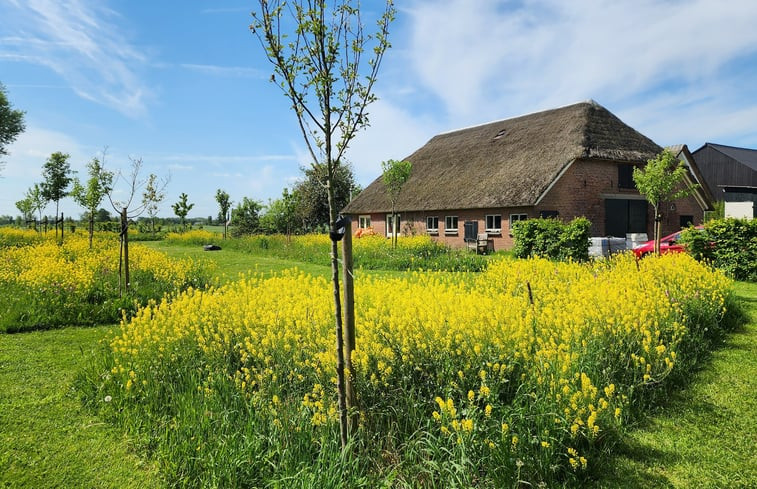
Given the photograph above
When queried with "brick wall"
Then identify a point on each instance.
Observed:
(581, 191)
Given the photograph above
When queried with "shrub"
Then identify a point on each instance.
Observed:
(729, 244)
(551, 238)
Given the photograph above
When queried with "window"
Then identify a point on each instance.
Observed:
(494, 223)
(625, 177)
(432, 225)
(389, 225)
(450, 225)
(686, 221)
(364, 222)
(548, 214)
(515, 218)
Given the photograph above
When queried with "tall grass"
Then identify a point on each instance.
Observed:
(369, 252)
(44, 285)
(526, 372)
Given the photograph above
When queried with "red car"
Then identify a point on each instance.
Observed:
(668, 244)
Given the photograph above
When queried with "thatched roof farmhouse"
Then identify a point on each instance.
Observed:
(565, 162)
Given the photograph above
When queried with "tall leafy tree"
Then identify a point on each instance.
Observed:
(313, 194)
(182, 208)
(11, 123)
(281, 214)
(317, 51)
(224, 206)
(90, 194)
(394, 175)
(661, 180)
(246, 217)
(57, 177)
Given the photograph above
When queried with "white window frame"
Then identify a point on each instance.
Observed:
(515, 218)
(450, 229)
(396, 226)
(493, 229)
(432, 230)
(364, 221)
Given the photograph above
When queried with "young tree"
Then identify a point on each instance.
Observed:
(224, 205)
(316, 50)
(395, 174)
(126, 213)
(24, 206)
(90, 196)
(152, 196)
(11, 123)
(661, 180)
(37, 199)
(182, 208)
(57, 174)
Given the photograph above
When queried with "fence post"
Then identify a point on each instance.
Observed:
(349, 323)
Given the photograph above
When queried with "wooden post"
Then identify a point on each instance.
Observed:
(125, 237)
(349, 324)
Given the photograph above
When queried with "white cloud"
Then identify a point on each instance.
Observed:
(83, 44)
(25, 159)
(502, 59)
(394, 133)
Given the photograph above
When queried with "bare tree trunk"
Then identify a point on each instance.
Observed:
(657, 229)
(91, 227)
(341, 390)
(125, 231)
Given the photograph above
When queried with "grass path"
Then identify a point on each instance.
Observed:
(706, 436)
(47, 439)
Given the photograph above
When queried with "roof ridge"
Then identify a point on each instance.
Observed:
(730, 146)
(589, 101)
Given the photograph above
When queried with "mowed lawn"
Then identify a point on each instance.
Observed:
(705, 436)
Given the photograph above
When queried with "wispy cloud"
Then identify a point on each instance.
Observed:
(515, 57)
(83, 43)
(233, 71)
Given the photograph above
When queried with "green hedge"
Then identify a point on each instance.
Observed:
(729, 244)
(551, 238)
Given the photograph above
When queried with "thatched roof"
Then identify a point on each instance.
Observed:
(508, 163)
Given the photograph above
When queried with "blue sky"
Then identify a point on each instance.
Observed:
(184, 84)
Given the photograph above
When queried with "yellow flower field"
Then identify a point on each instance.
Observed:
(522, 369)
(44, 284)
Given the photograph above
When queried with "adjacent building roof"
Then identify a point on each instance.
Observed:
(508, 163)
(694, 177)
(745, 156)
